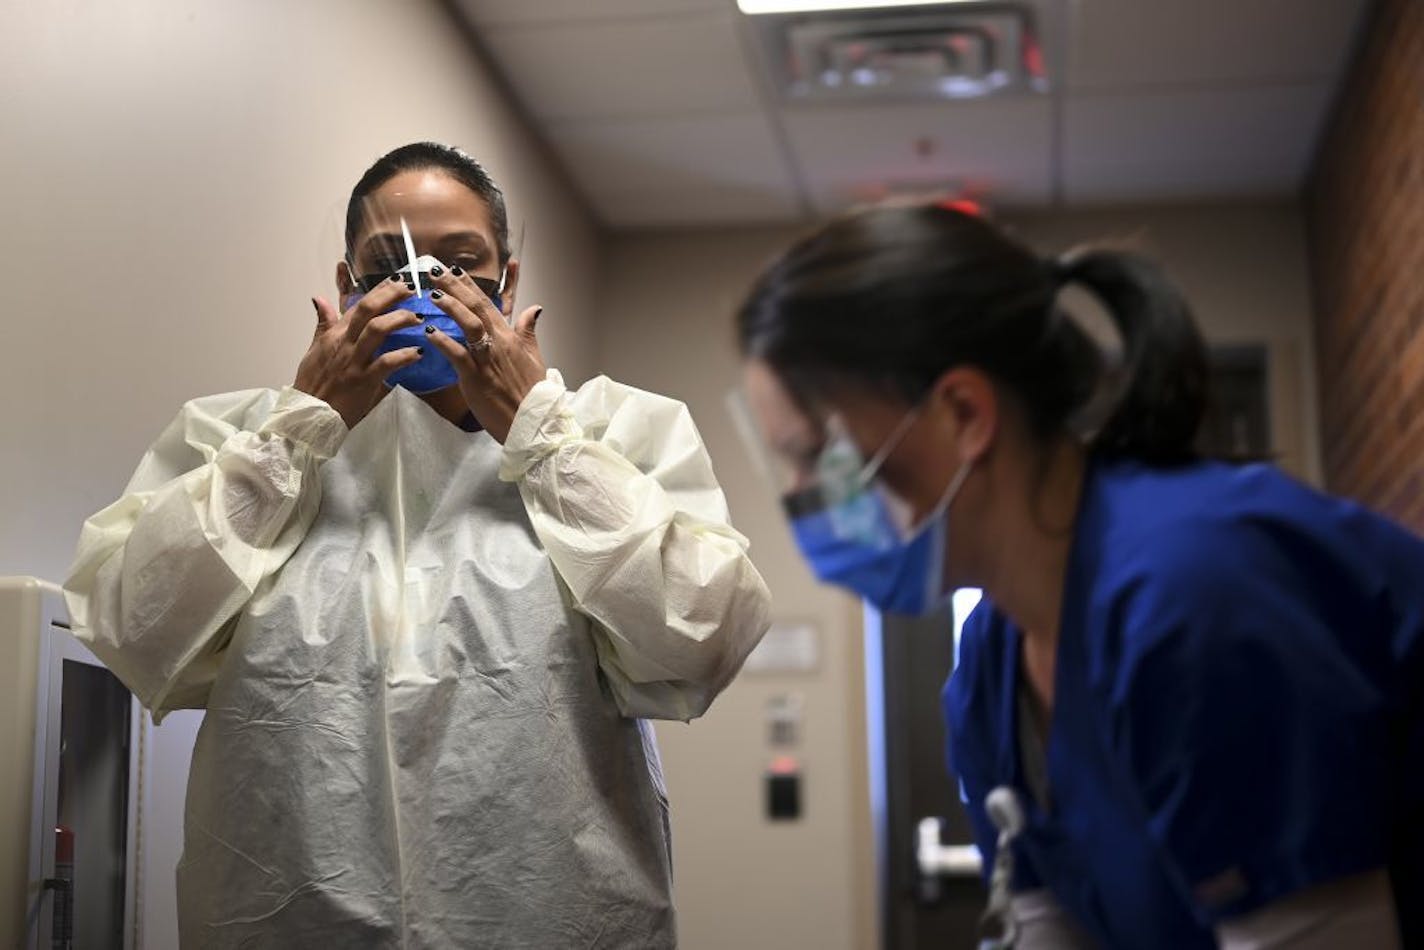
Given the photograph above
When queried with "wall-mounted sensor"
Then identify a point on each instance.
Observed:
(783, 789)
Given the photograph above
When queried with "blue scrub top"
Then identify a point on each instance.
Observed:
(1238, 705)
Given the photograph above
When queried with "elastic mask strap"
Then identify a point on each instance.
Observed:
(516, 253)
(952, 491)
(897, 435)
(941, 507)
(411, 256)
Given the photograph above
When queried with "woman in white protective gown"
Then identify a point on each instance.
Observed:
(427, 596)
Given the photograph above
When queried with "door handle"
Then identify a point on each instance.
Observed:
(935, 861)
(944, 860)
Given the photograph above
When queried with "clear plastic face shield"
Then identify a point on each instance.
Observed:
(818, 467)
(853, 531)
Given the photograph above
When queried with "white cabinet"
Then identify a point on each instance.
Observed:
(92, 802)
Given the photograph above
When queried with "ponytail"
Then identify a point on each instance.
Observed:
(893, 297)
(1163, 395)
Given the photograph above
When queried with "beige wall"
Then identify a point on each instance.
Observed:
(173, 177)
(665, 325)
(741, 882)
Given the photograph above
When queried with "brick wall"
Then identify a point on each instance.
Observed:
(1365, 216)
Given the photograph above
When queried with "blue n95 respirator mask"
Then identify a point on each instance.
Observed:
(432, 371)
(855, 533)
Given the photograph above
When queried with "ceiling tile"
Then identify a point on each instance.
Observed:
(490, 12)
(681, 154)
(654, 67)
(707, 206)
(999, 148)
(1249, 141)
(1117, 43)
(653, 108)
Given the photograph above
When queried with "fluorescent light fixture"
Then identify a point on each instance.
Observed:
(817, 6)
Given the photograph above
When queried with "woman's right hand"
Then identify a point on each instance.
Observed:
(341, 367)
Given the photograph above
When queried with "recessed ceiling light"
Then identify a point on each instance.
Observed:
(816, 6)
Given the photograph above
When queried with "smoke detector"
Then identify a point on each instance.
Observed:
(942, 52)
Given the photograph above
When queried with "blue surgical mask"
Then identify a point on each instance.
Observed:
(851, 529)
(857, 543)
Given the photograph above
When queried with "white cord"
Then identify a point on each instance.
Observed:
(998, 918)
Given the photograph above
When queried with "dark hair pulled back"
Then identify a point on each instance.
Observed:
(420, 156)
(892, 297)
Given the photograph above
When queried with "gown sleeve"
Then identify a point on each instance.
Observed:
(217, 505)
(622, 495)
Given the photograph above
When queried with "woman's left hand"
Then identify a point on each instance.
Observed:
(499, 364)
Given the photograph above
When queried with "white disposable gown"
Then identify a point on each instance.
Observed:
(425, 660)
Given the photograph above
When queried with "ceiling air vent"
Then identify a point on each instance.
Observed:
(917, 53)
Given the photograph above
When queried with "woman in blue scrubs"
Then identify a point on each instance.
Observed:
(1202, 682)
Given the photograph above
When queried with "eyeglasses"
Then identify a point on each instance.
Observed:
(490, 286)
